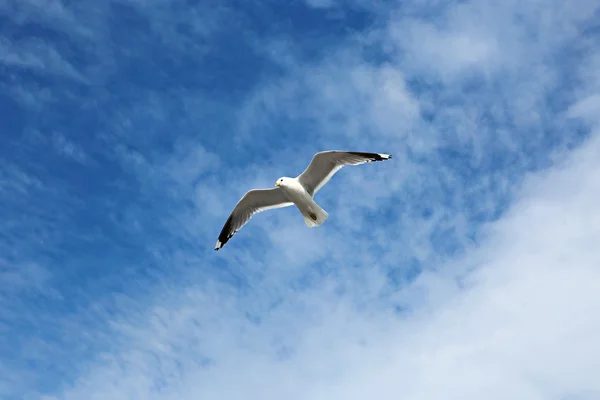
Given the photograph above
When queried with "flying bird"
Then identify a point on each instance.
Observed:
(297, 191)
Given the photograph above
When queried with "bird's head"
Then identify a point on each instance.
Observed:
(281, 181)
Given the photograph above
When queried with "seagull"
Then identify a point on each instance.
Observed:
(298, 191)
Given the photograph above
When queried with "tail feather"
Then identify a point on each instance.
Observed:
(315, 217)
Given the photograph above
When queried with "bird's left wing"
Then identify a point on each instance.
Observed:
(253, 202)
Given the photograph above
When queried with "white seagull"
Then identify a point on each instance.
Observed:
(297, 191)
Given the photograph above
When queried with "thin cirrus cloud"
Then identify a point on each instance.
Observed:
(465, 268)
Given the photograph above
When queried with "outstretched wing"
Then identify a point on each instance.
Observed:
(253, 202)
(326, 163)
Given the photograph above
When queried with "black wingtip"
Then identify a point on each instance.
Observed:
(373, 156)
(224, 236)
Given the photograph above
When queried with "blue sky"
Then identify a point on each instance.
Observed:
(465, 267)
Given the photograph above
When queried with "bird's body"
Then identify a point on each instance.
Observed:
(299, 195)
(299, 191)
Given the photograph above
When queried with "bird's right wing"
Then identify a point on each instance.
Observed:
(326, 163)
(253, 202)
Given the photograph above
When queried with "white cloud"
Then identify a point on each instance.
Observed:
(587, 108)
(511, 318)
(189, 161)
(484, 36)
(38, 56)
(49, 12)
(446, 51)
(522, 326)
(69, 149)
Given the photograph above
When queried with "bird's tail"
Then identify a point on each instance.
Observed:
(315, 216)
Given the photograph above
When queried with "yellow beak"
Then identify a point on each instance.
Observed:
(277, 184)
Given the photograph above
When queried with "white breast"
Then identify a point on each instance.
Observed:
(296, 193)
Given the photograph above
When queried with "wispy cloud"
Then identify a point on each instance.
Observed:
(69, 148)
(37, 56)
(506, 330)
